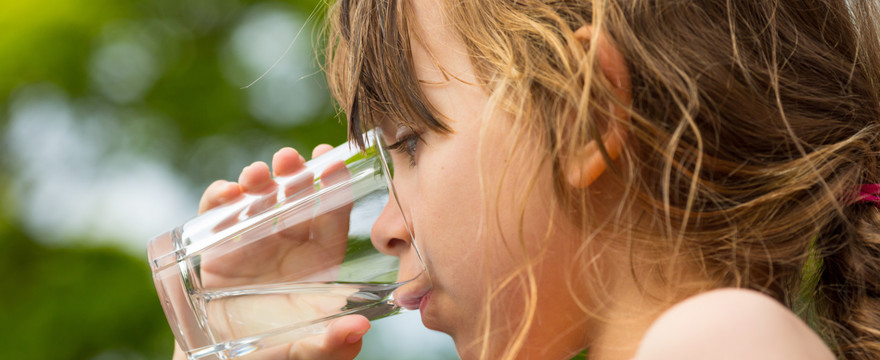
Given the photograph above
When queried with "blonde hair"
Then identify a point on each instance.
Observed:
(751, 127)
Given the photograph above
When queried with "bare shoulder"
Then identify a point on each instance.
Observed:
(731, 324)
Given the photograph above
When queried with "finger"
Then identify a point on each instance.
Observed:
(342, 341)
(256, 178)
(330, 227)
(288, 166)
(286, 162)
(218, 193)
(295, 225)
(297, 184)
(178, 354)
(321, 150)
(346, 330)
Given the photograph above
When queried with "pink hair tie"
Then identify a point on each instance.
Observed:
(869, 193)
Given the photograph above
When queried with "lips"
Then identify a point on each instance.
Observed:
(424, 300)
(414, 295)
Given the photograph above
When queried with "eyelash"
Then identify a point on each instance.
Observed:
(407, 145)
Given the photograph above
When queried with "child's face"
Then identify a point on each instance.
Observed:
(443, 193)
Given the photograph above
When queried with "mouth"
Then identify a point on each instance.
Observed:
(414, 295)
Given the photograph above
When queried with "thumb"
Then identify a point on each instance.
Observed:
(342, 341)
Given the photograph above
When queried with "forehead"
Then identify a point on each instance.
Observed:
(438, 54)
(440, 63)
(372, 67)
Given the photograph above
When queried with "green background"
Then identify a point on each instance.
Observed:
(115, 115)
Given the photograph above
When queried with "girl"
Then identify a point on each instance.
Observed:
(647, 179)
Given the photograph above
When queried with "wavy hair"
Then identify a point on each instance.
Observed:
(751, 127)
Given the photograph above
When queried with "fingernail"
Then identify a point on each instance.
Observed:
(354, 337)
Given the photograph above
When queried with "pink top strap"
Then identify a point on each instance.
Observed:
(869, 193)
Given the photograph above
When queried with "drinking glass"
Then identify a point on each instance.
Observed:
(267, 270)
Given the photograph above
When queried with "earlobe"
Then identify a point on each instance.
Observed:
(589, 163)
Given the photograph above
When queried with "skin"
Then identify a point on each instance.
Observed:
(755, 327)
(444, 204)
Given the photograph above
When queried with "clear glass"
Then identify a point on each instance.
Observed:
(255, 275)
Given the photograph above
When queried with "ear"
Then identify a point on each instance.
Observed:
(590, 163)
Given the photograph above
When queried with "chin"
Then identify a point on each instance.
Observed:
(447, 320)
(440, 321)
(431, 321)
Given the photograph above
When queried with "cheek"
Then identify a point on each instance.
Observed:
(447, 221)
(448, 202)
(457, 227)
(518, 201)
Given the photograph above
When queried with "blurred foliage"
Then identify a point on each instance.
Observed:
(77, 303)
(55, 40)
(66, 300)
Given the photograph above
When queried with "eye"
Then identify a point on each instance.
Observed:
(407, 143)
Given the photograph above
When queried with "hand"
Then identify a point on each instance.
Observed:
(299, 250)
(342, 341)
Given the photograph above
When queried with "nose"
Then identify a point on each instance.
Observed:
(391, 231)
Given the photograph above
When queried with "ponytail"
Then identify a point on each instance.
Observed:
(848, 298)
